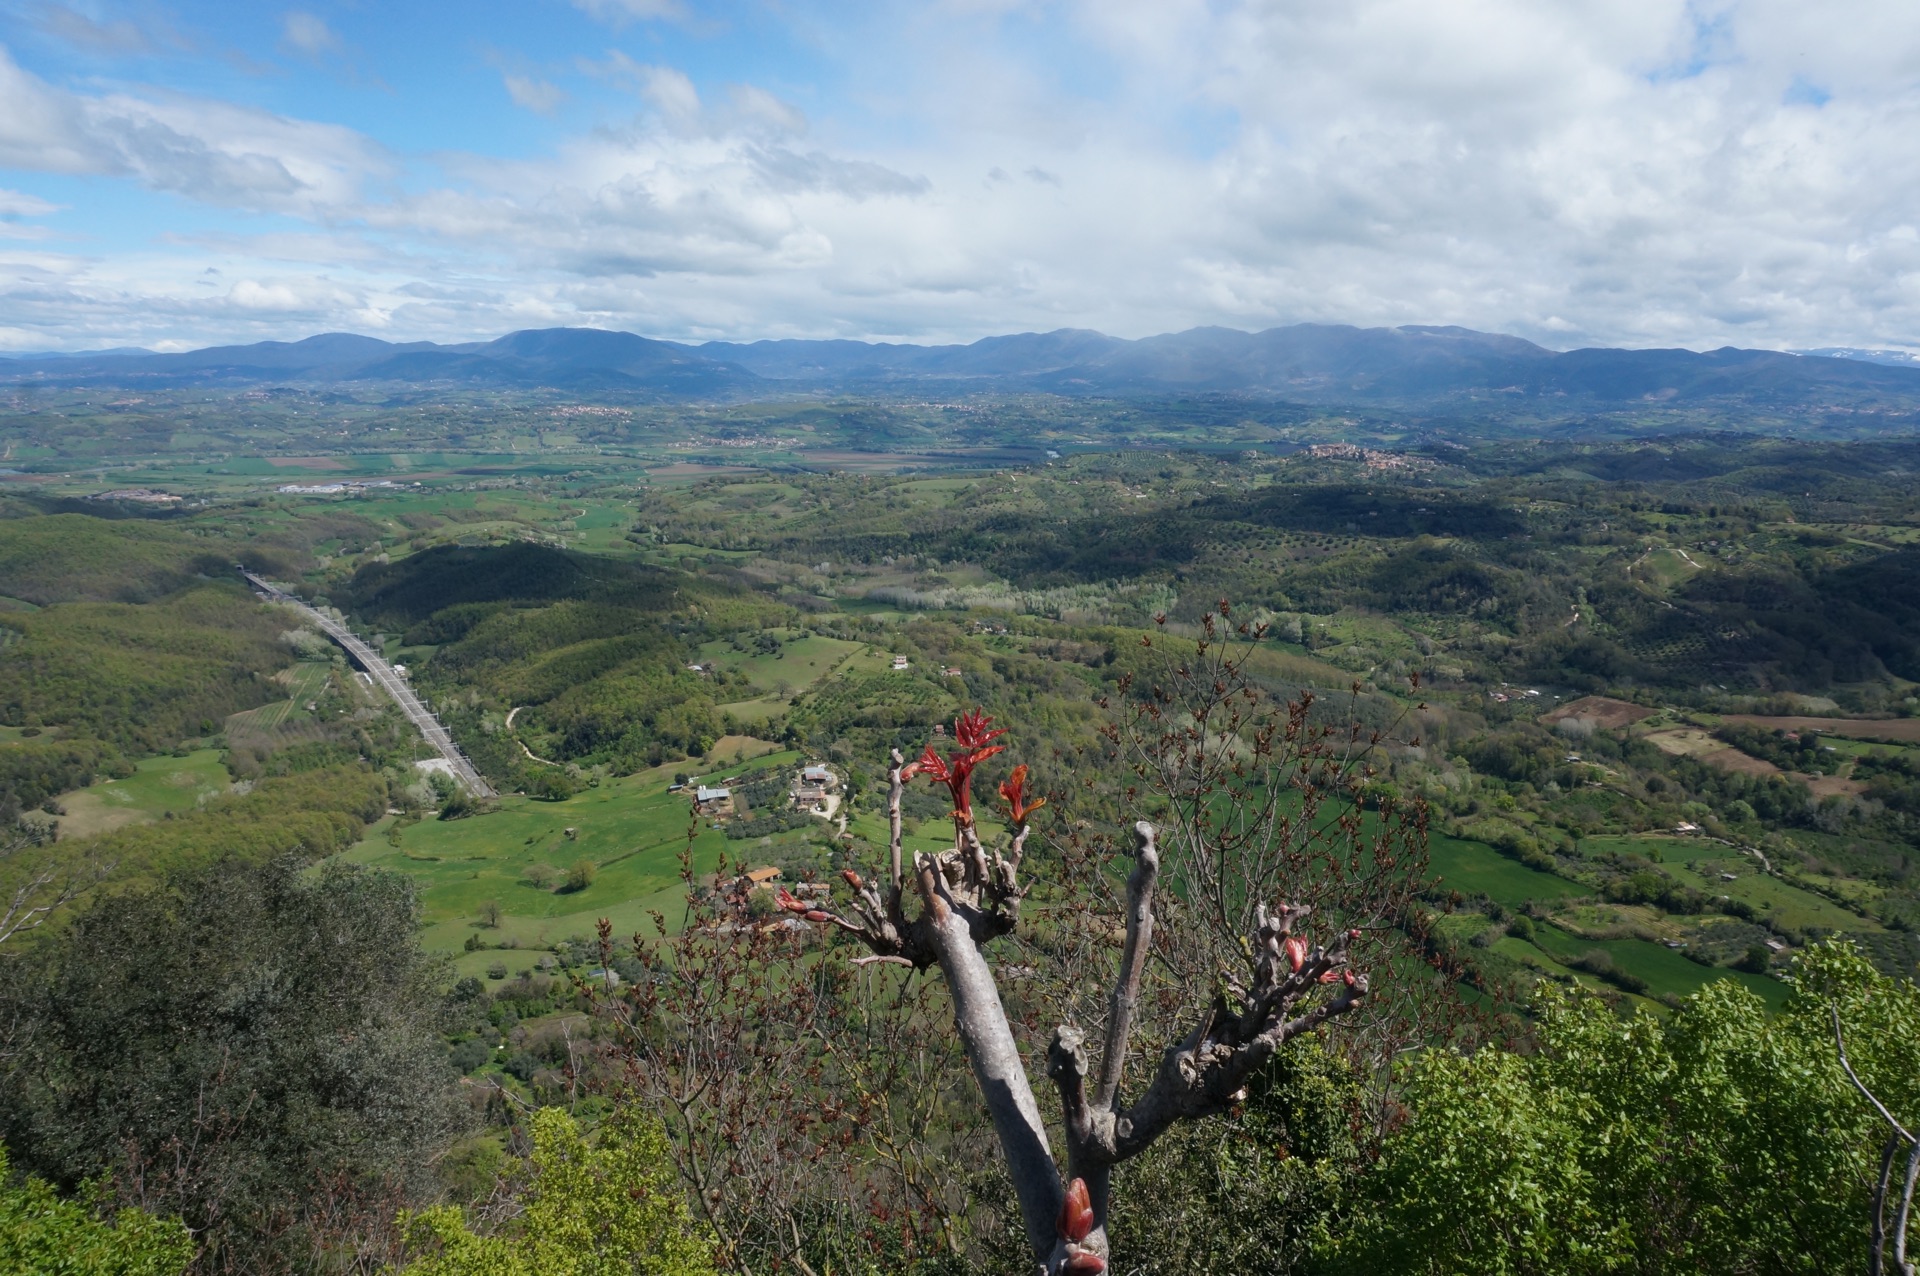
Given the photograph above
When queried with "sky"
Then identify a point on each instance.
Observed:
(1613, 172)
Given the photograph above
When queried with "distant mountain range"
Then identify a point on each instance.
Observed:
(1303, 362)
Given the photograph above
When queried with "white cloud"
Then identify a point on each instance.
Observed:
(19, 204)
(536, 95)
(112, 36)
(211, 151)
(621, 12)
(1638, 171)
(307, 33)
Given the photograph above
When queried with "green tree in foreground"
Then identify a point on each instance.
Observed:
(43, 1234)
(1721, 1140)
(248, 1046)
(612, 1207)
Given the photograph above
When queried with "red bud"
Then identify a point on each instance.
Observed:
(1084, 1262)
(815, 915)
(1076, 1216)
(853, 878)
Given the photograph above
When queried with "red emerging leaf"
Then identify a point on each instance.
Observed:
(1014, 790)
(956, 770)
(788, 902)
(1076, 1213)
(931, 764)
(970, 730)
(1296, 949)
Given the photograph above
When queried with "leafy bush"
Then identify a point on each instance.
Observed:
(1723, 1140)
(469, 1054)
(39, 1232)
(611, 1205)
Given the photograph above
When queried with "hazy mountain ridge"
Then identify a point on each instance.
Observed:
(1305, 362)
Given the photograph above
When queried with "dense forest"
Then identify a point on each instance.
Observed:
(1625, 735)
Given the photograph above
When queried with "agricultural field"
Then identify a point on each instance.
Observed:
(304, 683)
(1657, 848)
(1897, 730)
(1474, 868)
(1780, 901)
(784, 662)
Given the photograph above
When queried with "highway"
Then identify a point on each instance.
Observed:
(382, 673)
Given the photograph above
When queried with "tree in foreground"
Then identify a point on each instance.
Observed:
(805, 1102)
(613, 1205)
(1721, 1140)
(245, 1046)
(1250, 911)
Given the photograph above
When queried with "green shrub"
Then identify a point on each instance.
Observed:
(1721, 1140)
(612, 1205)
(41, 1233)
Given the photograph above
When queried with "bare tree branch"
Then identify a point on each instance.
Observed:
(1133, 961)
(984, 1031)
(44, 891)
(1877, 1233)
(1903, 1219)
(1840, 1042)
(1876, 1250)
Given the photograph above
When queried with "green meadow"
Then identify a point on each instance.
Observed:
(631, 829)
(1665, 970)
(1780, 901)
(1474, 868)
(159, 786)
(1661, 850)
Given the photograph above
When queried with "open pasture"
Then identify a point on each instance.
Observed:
(1474, 868)
(1659, 849)
(159, 786)
(1695, 743)
(1780, 901)
(1665, 970)
(794, 666)
(632, 830)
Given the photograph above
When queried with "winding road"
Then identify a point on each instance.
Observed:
(396, 686)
